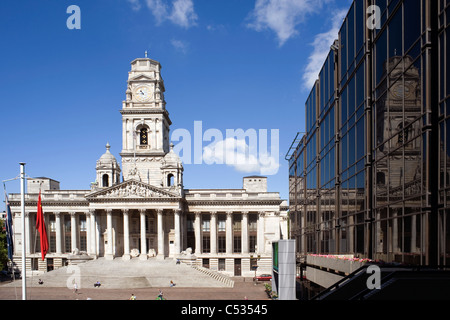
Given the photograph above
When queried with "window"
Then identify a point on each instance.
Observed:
(221, 225)
(395, 35)
(150, 225)
(343, 36)
(83, 226)
(403, 134)
(221, 264)
(105, 182)
(237, 244)
(144, 136)
(381, 178)
(190, 224)
(205, 225)
(206, 244)
(412, 22)
(381, 56)
(252, 225)
(237, 223)
(360, 138)
(52, 223)
(170, 180)
(221, 240)
(252, 240)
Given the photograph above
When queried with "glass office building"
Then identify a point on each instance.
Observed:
(370, 177)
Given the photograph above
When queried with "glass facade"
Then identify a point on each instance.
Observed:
(444, 131)
(363, 179)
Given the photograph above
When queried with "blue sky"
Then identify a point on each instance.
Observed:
(230, 64)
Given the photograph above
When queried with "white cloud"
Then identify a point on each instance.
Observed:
(238, 154)
(216, 28)
(158, 9)
(179, 45)
(321, 48)
(282, 16)
(135, 4)
(181, 13)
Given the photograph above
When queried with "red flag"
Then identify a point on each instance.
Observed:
(40, 226)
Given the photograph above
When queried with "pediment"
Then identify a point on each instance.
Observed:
(141, 77)
(132, 189)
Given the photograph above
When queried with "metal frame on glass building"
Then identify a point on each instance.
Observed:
(370, 176)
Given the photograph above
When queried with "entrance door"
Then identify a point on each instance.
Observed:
(237, 267)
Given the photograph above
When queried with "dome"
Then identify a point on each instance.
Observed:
(107, 158)
(172, 157)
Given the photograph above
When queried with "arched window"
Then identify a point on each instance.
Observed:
(403, 134)
(144, 136)
(170, 180)
(381, 178)
(105, 180)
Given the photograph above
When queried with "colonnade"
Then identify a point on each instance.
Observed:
(94, 230)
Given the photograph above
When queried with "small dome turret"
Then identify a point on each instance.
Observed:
(108, 169)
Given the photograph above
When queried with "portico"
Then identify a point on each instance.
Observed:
(139, 218)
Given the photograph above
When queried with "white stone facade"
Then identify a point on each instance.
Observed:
(142, 209)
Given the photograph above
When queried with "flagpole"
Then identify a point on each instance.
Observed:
(22, 195)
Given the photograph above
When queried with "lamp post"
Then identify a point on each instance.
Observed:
(22, 206)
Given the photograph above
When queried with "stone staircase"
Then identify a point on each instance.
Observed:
(215, 275)
(134, 273)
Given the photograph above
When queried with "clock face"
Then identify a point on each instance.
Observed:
(142, 93)
(400, 91)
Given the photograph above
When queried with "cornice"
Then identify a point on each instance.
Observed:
(234, 202)
(133, 200)
(56, 203)
(145, 110)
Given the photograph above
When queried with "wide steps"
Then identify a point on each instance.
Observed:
(119, 274)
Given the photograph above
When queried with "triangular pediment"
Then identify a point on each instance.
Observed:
(132, 189)
(141, 77)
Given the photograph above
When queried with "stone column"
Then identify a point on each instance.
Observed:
(109, 254)
(27, 233)
(73, 230)
(58, 233)
(94, 240)
(198, 233)
(184, 230)
(158, 133)
(213, 232)
(88, 232)
(395, 221)
(161, 247)
(126, 236)
(260, 234)
(176, 214)
(413, 233)
(143, 255)
(229, 233)
(244, 231)
(152, 134)
(47, 229)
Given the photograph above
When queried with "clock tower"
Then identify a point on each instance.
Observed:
(146, 150)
